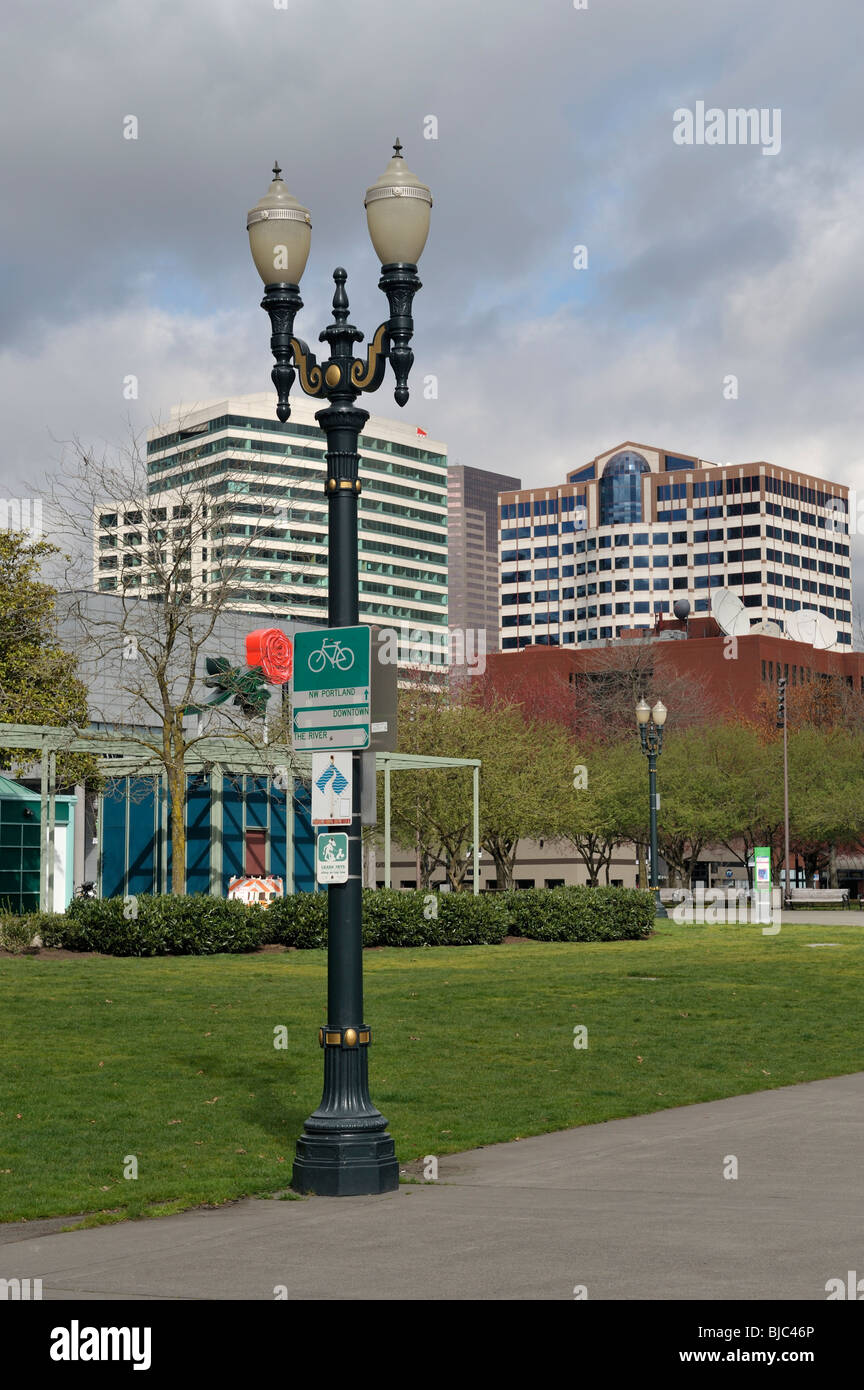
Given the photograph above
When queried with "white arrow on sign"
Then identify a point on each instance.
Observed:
(351, 737)
(342, 714)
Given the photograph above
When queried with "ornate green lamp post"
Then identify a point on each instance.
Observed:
(650, 722)
(345, 1149)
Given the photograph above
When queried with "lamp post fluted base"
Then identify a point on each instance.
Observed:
(345, 1150)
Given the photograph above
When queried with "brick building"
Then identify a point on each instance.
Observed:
(731, 670)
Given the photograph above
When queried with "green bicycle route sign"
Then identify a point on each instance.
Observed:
(330, 688)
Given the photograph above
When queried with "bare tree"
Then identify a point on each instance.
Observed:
(592, 692)
(617, 677)
(177, 556)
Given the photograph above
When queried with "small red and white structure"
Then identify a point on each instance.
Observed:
(262, 890)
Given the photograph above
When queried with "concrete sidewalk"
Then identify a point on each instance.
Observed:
(839, 916)
(632, 1209)
(802, 917)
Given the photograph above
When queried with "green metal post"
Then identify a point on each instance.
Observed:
(388, 872)
(43, 831)
(344, 1149)
(52, 824)
(217, 865)
(476, 827)
(652, 746)
(289, 834)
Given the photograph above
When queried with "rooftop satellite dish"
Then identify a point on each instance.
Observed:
(812, 627)
(827, 633)
(767, 628)
(681, 608)
(729, 613)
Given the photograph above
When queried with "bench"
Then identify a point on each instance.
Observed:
(815, 897)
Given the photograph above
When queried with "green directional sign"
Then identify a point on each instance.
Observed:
(330, 688)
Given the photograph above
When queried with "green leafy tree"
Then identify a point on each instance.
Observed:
(38, 681)
(607, 804)
(704, 796)
(524, 784)
(826, 794)
(525, 776)
(751, 793)
(431, 811)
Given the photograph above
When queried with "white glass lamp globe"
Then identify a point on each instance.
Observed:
(397, 211)
(280, 232)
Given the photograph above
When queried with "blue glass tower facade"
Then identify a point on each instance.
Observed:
(621, 489)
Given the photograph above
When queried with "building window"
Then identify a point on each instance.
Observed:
(621, 488)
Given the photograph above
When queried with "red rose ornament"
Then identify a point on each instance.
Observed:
(273, 651)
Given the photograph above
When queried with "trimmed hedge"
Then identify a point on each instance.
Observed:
(160, 925)
(393, 918)
(298, 920)
(581, 914)
(426, 919)
(168, 925)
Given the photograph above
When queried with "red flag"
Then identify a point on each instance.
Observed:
(422, 433)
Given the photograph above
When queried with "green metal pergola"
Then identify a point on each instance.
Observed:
(396, 762)
(124, 755)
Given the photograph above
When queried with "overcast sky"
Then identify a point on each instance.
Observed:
(555, 130)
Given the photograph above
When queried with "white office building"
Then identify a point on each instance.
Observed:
(273, 476)
(627, 534)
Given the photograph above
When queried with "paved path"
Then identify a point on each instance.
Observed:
(632, 1209)
(803, 917)
(850, 916)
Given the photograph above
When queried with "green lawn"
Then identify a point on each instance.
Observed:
(172, 1060)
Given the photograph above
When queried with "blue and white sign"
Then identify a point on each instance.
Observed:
(331, 789)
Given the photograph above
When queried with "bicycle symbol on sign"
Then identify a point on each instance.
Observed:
(331, 651)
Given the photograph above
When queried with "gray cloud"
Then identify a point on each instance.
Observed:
(555, 128)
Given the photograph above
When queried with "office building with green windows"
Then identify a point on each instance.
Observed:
(267, 479)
